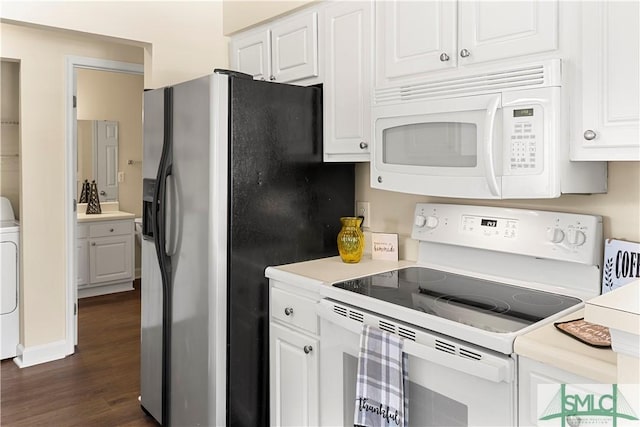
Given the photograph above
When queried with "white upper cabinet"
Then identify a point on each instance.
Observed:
(608, 128)
(347, 81)
(416, 38)
(251, 54)
(285, 51)
(492, 30)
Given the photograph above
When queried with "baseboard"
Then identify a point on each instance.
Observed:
(37, 354)
(105, 289)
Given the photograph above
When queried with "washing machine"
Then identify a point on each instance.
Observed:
(9, 280)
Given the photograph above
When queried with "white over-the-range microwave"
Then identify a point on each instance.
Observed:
(485, 134)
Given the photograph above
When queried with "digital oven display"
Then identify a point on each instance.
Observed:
(523, 112)
(488, 222)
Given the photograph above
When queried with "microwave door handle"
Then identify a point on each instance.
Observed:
(489, 137)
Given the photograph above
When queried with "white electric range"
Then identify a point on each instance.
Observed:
(484, 275)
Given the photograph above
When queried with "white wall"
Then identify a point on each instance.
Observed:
(182, 39)
(241, 14)
(620, 208)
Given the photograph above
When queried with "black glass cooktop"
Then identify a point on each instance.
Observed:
(484, 304)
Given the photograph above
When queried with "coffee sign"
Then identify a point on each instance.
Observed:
(621, 264)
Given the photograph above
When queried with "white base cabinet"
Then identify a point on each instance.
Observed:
(293, 357)
(531, 375)
(105, 257)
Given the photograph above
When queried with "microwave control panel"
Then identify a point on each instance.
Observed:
(523, 130)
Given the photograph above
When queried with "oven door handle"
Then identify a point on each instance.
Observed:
(489, 368)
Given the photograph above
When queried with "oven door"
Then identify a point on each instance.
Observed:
(451, 383)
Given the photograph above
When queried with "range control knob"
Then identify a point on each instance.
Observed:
(555, 234)
(576, 237)
(432, 222)
(420, 221)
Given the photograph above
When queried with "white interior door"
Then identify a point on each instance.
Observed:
(107, 159)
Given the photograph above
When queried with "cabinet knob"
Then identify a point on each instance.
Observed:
(93, 243)
(464, 53)
(444, 57)
(262, 78)
(307, 349)
(111, 230)
(272, 78)
(288, 311)
(589, 135)
(364, 145)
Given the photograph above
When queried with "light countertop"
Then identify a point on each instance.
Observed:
(332, 270)
(110, 211)
(550, 346)
(618, 309)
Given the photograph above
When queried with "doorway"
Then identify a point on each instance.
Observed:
(78, 69)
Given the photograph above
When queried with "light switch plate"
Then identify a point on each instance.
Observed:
(364, 209)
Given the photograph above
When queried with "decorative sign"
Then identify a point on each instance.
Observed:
(621, 264)
(384, 246)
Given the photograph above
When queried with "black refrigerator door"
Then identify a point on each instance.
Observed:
(284, 206)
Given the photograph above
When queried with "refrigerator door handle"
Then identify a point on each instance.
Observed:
(171, 200)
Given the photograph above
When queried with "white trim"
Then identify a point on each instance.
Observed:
(73, 62)
(624, 342)
(37, 354)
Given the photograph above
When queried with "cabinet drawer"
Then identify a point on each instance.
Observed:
(302, 311)
(114, 228)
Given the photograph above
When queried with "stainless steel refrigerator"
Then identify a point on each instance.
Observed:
(233, 181)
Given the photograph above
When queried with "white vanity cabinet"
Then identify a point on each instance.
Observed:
(608, 127)
(105, 257)
(414, 39)
(294, 356)
(82, 254)
(282, 51)
(347, 58)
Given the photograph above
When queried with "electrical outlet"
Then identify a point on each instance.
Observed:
(120, 176)
(364, 209)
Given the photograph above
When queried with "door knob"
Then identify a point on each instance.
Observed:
(103, 193)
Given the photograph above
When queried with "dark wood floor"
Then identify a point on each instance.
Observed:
(97, 386)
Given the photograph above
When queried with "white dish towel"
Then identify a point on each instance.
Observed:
(382, 397)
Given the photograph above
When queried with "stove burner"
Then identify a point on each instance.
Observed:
(479, 302)
(538, 299)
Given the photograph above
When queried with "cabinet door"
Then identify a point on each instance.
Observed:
(295, 48)
(347, 81)
(414, 38)
(251, 54)
(610, 85)
(294, 378)
(111, 258)
(491, 30)
(82, 260)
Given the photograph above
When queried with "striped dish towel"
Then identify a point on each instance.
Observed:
(382, 397)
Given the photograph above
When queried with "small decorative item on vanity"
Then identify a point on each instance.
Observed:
(93, 204)
(351, 239)
(84, 193)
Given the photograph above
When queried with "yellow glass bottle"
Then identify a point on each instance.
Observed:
(350, 239)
